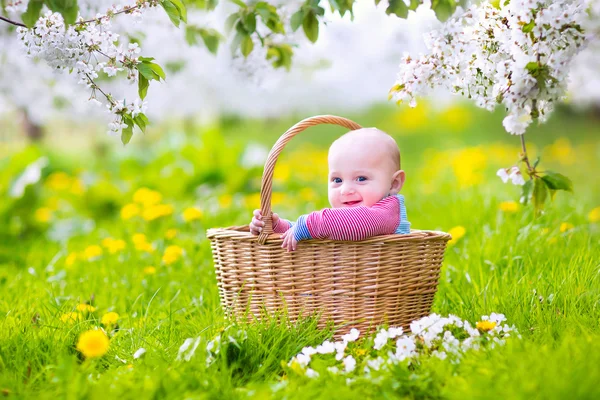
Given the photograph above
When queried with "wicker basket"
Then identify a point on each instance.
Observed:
(384, 279)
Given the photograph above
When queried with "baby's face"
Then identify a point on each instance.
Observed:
(360, 174)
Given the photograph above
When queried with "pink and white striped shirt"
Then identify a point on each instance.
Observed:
(385, 217)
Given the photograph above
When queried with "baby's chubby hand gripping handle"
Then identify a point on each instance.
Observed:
(266, 189)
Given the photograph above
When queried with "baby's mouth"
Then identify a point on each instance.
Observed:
(351, 203)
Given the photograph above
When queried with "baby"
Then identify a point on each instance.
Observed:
(364, 181)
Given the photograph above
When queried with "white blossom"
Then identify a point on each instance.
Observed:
(351, 336)
(349, 364)
(139, 353)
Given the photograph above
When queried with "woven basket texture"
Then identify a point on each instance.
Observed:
(388, 279)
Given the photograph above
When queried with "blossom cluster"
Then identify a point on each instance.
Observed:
(516, 54)
(513, 174)
(434, 335)
(88, 48)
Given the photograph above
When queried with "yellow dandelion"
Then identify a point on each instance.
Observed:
(545, 231)
(129, 211)
(93, 343)
(170, 233)
(110, 318)
(594, 215)
(277, 198)
(485, 326)
(71, 317)
(70, 260)
(58, 181)
(141, 243)
(147, 197)
(113, 245)
(92, 252)
(509, 206)
(225, 200)
(191, 214)
(86, 308)
(457, 232)
(150, 270)
(566, 226)
(77, 187)
(172, 254)
(252, 200)
(43, 214)
(308, 194)
(156, 211)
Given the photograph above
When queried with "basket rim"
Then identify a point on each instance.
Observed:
(242, 233)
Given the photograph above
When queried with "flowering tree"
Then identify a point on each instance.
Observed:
(513, 53)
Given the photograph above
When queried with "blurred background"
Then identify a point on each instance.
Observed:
(62, 178)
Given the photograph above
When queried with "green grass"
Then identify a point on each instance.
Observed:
(546, 281)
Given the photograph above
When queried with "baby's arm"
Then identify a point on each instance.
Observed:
(352, 223)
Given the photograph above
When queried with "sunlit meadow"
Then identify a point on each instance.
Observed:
(107, 286)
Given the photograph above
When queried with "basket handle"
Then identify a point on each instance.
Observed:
(266, 189)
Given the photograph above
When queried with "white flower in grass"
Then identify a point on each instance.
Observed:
(349, 364)
(351, 336)
(439, 354)
(497, 318)
(381, 339)
(395, 332)
(405, 348)
(188, 349)
(340, 347)
(375, 364)
(333, 370)
(301, 359)
(311, 373)
(139, 353)
(326, 348)
(309, 351)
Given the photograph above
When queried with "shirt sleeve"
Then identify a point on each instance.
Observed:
(282, 225)
(350, 223)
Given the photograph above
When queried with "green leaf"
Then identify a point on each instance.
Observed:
(141, 121)
(127, 132)
(281, 55)
(146, 70)
(540, 193)
(143, 85)
(30, 17)
(231, 21)
(311, 26)
(249, 22)
(67, 8)
(247, 45)
(182, 10)
(158, 70)
(527, 192)
(144, 59)
(528, 27)
(443, 8)
(414, 4)
(532, 66)
(239, 3)
(556, 181)
(172, 12)
(211, 39)
(269, 16)
(397, 7)
(537, 161)
(297, 19)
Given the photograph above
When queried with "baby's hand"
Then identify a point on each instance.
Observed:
(289, 241)
(257, 224)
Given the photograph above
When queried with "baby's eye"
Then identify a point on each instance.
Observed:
(361, 178)
(336, 180)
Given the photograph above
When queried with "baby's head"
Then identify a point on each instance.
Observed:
(364, 167)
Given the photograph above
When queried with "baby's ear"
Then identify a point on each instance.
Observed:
(397, 181)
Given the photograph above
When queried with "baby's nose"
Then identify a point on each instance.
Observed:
(347, 189)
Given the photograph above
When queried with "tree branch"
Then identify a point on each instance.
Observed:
(10, 21)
